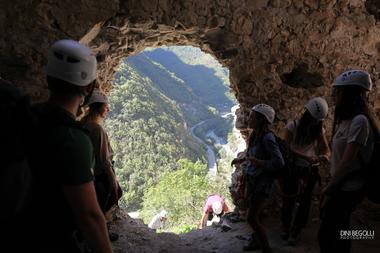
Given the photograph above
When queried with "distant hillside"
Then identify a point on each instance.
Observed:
(171, 86)
(156, 98)
(205, 82)
(195, 56)
(148, 133)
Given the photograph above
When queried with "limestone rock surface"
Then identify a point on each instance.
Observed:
(278, 52)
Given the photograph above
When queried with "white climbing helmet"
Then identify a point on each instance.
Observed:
(97, 97)
(318, 108)
(265, 110)
(217, 207)
(72, 62)
(163, 213)
(354, 77)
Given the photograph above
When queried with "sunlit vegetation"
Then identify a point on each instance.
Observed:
(157, 96)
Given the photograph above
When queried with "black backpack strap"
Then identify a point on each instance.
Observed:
(275, 138)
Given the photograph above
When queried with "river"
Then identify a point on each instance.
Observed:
(211, 158)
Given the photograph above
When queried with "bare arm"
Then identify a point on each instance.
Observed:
(82, 201)
(226, 208)
(288, 137)
(105, 159)
(344, 167)
(203, 220)
(324, 147)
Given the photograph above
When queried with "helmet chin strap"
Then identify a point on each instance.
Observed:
(86, 96)
(366, 95)
(83, 98)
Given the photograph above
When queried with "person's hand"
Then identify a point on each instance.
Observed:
(323, 158)
(237, 160)
(234, 161)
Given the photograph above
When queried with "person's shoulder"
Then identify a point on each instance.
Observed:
(270, 136)
(91, 124)
(75, 138)
(93, 128)
(79, 135)
(77, 148)
(360, 120)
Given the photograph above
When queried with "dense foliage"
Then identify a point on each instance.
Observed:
(182, 193)
(158, 95)
(148, 134)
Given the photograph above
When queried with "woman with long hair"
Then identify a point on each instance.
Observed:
(354, 133)
(264, 156)
(306, 138)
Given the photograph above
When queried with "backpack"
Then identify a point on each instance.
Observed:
(16, 131)
(288, 156)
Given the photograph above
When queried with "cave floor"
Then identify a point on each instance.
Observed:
(137, 237)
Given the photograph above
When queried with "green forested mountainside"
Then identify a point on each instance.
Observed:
(171, 86)
(195, 56)
(157, 96)
(148, 134)
(203, 81)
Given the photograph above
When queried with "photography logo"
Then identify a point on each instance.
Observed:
(357, 234)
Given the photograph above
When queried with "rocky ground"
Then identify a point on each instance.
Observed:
(137, 237)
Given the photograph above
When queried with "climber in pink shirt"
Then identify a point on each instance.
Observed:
(215, 206)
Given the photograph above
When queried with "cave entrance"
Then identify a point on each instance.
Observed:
(171, 124)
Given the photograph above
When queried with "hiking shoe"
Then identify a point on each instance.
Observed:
(293, 239)
(113, 236)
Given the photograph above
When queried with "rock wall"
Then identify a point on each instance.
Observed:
(280, 52)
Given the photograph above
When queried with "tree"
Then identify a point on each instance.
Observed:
(182, 193)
